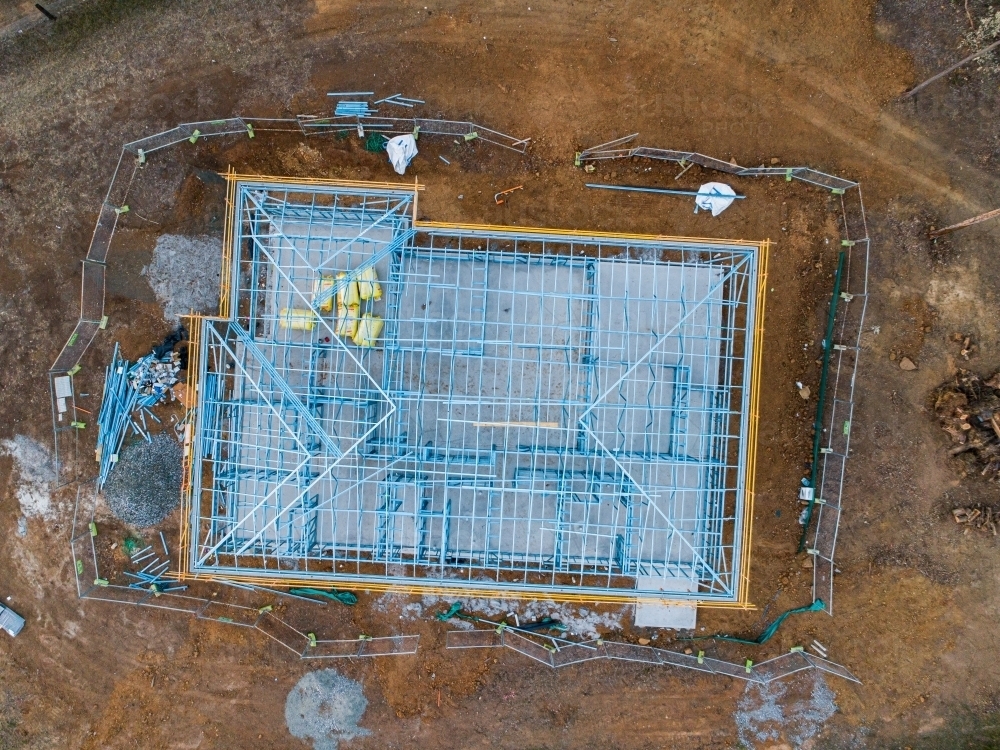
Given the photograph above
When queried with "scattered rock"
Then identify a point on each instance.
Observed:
(805, 392)
(775, 160)
(644, 641)
(325, 707)
(907, 364)
(808, 562)
(184, 274)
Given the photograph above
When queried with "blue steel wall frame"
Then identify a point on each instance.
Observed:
(557, 446)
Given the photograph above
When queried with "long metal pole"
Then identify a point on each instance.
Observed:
(637, 189)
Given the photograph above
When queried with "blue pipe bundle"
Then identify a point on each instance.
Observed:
(115, 417)
(358, 109)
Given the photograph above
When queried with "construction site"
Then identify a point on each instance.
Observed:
(498, 405)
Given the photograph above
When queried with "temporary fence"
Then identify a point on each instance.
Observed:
(558, 652)
(133, 155)
(838, 410)
(91, 583)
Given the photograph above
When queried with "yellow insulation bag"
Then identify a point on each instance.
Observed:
(347, 291)
(369, 329)
(347, 321)
(323, 293)
(297, 320)
(368, 286)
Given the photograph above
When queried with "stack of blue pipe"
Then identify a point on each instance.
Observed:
(356, 109)
(122, 405)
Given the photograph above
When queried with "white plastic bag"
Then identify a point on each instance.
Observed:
(713, 196)
(401, 150)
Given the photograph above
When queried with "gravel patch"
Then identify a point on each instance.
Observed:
(145, 484)
(185, 274)
(325, 707)
(35, 473)
(766, 714)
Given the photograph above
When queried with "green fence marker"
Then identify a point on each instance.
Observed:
(847, 428)
(78, 425)
(72, 339)
(416, 132)
(250, 130)
(225, 619)
(142, 156)
(76, 368)
(796, 650)
(194, 136)
(701, 657)
(101, 582)
(837, 191)
(788, 175)
(79, 567)
(266, 608)
(748, 666)
(364, 637)
(122, 210)
(104, 322)
(471, 136)
(93, 528)
(847, 243)
(576, 159)
(312, 639)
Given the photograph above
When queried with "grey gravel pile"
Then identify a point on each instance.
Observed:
(325, 707)
(145, 484)
(184, 274)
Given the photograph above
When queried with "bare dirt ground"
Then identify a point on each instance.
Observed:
(810, 83)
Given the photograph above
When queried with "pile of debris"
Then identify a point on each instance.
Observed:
(968, 409)
(979, 517)
(129, 392)
(153, 377)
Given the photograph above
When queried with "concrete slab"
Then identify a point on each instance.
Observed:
(671, 616)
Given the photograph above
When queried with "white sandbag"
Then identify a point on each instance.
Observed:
(713, 196)
(401, 150)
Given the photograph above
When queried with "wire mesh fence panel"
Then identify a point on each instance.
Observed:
(831, 668)
(631, 652)
(84, 564)
(781, 666)
(685, 661)
(176, 603)
(78, 342)
(100, 244)
(576, 653)
(389, 645)
(823, 568)
(380, 646)
(402, 125)
(528, 647)
(92, 292)
(228, 126)
(731, 670)
(335, 649)
(232, 614)
(157, 141)
(282, 632)
(119, 594)
(472, 639)
(121, 183)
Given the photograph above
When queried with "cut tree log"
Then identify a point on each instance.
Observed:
(954, 67)
(962, 224)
